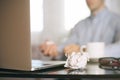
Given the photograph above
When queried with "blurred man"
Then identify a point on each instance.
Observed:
(101, 26)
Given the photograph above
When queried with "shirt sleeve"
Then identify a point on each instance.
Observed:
(113, 50)
(72, 39)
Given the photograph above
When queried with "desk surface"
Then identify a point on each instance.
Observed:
(92, 71)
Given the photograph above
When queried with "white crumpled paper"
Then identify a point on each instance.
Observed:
(77, 60)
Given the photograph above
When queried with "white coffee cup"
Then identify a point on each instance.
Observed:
(94, 49)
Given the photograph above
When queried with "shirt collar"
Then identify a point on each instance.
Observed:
(100, 14)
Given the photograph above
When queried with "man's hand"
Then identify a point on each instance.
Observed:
(49, 48)
(71, 48)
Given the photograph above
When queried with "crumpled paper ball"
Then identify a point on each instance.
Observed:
(77, 60)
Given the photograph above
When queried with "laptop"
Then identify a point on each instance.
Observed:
(39, 65)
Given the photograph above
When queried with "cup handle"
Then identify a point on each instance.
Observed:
(83, 49)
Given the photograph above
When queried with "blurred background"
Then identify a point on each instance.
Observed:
(53, 20)
(49, 20)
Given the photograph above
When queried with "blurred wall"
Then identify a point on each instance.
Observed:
(53, 19)
(53, 25)
(114, 5)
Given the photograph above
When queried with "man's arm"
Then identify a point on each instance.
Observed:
(113, 50)
(55, 51)
(72, 39)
